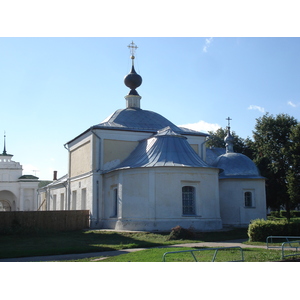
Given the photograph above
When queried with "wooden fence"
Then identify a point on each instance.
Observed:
(46, 220)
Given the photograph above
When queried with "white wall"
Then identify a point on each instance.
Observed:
(151, 198)
(232, 201)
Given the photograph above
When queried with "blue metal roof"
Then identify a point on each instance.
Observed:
(236, 165)
(166, 148)
(136, 119)
(213, 153)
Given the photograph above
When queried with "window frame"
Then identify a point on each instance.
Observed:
(74, 200)
(83, 198)
(114, 202)
(62, 201)
(246, 195)
(187, 196)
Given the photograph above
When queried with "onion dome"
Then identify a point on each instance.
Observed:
(133, 81)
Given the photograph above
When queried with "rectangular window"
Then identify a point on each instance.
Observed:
(83, 199)
(74, 199)
(188, 200)
(54, 202)
(248, 199)
(62, 201)
(115, 203)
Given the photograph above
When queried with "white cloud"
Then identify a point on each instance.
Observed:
(201, 126)
(255, 107)
(207, 44)
(292, 104)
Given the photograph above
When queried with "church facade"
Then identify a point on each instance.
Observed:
(137, 170)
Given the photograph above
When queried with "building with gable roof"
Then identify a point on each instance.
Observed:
(137, 170)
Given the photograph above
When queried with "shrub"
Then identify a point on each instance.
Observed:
(260, 229)
(179, 233)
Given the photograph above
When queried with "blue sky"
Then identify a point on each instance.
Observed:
(53, 89)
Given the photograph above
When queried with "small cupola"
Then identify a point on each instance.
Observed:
(229, 139)
(133, 81)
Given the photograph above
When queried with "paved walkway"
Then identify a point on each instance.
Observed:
(233, 243)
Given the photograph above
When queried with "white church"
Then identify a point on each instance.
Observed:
(137, 170)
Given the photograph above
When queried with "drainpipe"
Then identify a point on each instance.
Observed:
(66, 187)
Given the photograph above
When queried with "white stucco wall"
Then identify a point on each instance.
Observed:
(232, 201)
(151, 198)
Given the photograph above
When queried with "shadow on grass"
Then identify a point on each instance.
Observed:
(39, 243)
(56, 243)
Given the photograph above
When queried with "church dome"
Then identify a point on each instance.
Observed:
(236, 165)
(137, 120)
(133, 81)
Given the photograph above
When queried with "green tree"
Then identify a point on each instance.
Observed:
(272, 150)
(293, 177)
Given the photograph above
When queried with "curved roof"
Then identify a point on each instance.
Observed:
(136, 119)
(166, 148)
(236, 165)
(28, 177)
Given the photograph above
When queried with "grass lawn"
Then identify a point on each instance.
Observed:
(36, 244)
(156, 255)
(225, 255)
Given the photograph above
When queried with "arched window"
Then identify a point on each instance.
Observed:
(248, 199)
(188, 200)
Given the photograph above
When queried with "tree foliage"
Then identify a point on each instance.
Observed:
(293, 176)
(274, 139)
